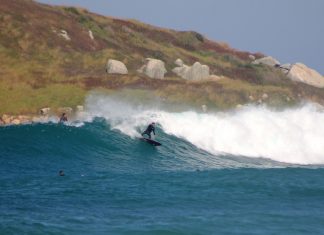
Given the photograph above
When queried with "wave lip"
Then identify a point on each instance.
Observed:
(294, 136)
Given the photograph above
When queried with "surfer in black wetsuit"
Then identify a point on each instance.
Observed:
(149, 129)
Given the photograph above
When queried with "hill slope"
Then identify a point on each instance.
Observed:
(49, 58)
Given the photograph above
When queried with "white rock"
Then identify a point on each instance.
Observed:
(239, 106)
(91, 35)
(285, 68)
(265, 96)
(67, 110)
(198, 72)
(44, 111)
(181, 71)
(215, 77)
(270, 61)
(204, 108)
(116, 67)
(15, 121)
(301, 73)
(79, 108)
(179, 62)
(6, 119)
(153, 68)
(65, 35)
(195, 72)
(251, 57)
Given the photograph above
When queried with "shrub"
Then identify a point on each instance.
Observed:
(72, 10)
(200, 37)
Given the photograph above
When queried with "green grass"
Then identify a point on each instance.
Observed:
(21, 98)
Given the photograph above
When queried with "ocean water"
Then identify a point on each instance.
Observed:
(249, 171)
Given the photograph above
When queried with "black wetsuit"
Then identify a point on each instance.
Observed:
(148, 130)
(63, 119)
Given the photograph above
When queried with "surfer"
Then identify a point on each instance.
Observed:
(63, 118)
(149, 129)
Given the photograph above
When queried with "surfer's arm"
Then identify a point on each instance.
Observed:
(153, 130)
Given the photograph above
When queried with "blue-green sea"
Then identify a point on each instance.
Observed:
(115, 183)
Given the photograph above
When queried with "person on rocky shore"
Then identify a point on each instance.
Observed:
(63, 118)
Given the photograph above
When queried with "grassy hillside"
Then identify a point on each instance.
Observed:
(39, 67)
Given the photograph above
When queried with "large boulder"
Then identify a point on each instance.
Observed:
(153, 68)
(301, 73)
(181, 71)
(270, 61)
(116, 67)
(195, 72)
(198, 72)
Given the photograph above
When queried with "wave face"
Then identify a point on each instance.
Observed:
(204, 179)
(293, 136)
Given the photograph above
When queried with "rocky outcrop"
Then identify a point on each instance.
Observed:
(270, 61)
(43, 116)
(198, 72)
(181, 71)
(64, 35)
(153, 68)
(45, 111)
(67, 110)
(15, 120)
(285, 68)
(195, 72)
(116, 67)
(301, 73)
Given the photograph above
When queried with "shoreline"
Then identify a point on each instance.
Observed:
(44, 115)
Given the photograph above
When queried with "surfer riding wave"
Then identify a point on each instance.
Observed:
(149, 130)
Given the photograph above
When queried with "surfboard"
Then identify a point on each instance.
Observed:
(150, 141)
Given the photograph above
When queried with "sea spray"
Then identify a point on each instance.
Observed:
(291, 136)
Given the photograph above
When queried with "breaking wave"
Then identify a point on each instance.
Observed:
(293, 136)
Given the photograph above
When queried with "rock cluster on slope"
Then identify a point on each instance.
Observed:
(296, 72)
(195, 72)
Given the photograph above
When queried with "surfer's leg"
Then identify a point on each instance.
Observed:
(145, 133)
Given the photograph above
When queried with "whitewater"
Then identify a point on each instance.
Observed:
(294, 135)
(252, 170)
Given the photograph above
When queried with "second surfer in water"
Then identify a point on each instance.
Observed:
(149, 129)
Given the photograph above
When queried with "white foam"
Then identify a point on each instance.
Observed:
(290, 136)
